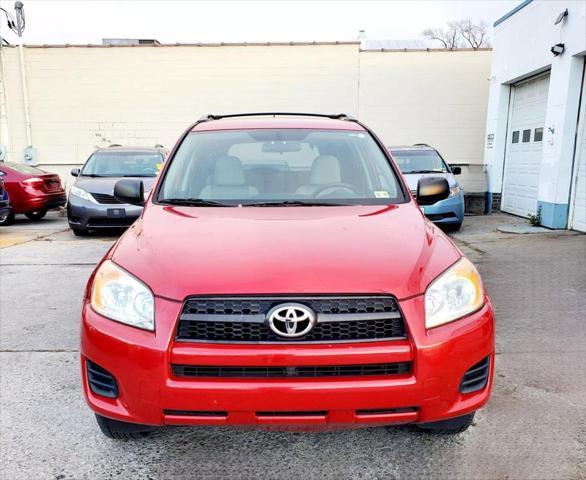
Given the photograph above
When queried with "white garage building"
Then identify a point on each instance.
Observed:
(535, 150)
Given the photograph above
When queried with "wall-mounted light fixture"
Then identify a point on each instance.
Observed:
(561, 17)
(558, 49)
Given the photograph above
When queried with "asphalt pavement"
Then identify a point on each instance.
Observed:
(534, 426)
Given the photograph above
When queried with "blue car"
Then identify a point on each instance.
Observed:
(421, 160)
(5, 209)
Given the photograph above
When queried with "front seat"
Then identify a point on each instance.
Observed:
(325, 170)
(228, 181)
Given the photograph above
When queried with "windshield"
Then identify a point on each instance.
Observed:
(123, 164)
(272, 166)
(419, 161)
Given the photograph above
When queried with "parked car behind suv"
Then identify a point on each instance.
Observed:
(91, 204)
(421, 160)
(282, 274)
(32, 191)
(5, 208)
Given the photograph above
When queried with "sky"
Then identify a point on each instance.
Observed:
(185, 21)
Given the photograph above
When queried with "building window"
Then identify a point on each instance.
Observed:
(538, 135)
(526, 135)
(516, 136)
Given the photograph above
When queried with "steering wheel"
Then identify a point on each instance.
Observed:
(320, 192)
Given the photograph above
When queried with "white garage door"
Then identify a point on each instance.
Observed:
(524, 146)
(578, 203)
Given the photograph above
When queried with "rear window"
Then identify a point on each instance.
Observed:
(280, 165)
(419, 161)
(123, 164)
(22, 168)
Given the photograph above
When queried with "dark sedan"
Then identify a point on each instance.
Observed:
(91, 204)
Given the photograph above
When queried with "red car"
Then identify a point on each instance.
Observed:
(282, 275)
(32, 191)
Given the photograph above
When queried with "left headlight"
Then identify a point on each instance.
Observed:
(119, 296)
(453, 295)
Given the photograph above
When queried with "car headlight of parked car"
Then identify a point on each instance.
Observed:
(78, 192)
(455, 191)
(121, 297)
(454, 294)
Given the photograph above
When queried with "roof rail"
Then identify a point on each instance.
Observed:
(334, 116)
(420, 145)
(158, 145)
(114, 145)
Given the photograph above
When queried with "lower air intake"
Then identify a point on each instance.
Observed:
(476, 377)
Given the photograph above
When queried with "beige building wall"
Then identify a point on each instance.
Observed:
(86, 97)
(82, 98)
(434, 97)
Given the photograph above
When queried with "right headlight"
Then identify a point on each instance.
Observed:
(120, 296)
(454, 294)
(78, 192)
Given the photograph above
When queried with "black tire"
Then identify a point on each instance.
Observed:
(122, 430)
(36, 215)
(448, 427)
(7, 220)
(78, 232)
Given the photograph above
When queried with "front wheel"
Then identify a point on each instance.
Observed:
(36, 215)
(448, 427)
(122, 430)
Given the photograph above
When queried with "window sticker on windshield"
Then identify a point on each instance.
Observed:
(158, 166)
(381, 194)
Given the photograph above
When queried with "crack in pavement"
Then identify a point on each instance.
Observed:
(55, 350)
(91, 264)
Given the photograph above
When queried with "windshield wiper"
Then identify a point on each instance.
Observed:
(193, 202)
(294, 203)
(425, 171)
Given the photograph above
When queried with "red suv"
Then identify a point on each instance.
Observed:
(281, 274)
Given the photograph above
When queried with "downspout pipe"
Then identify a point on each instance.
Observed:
(25, 103)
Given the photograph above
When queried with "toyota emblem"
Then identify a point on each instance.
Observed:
(291, 320)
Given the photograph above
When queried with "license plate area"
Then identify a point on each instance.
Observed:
(116, 213)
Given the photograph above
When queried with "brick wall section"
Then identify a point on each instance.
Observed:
(82, 98)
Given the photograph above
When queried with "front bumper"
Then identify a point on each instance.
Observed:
(448, 211)
(150, 394)
(85, 215)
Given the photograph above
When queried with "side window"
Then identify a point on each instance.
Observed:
(516, 136)
(538, 135)
(526, 135)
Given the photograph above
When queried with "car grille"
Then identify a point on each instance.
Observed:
(243, 320)
(110, 222)
(105, 199)
(286, 371)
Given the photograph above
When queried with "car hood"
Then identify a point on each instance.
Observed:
(105, 185)
(413, 178)
(183, 251)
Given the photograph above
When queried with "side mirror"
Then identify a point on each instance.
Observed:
(129, 191)
(431, 190)
(75, 172)
(456, 170)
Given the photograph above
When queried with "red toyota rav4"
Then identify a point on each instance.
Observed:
(282, 275)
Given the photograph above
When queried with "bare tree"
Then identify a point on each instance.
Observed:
(460, 33)
(476, 35)
(449, 37)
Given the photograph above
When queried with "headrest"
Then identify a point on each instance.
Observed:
(228, 171)
(325, 170)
